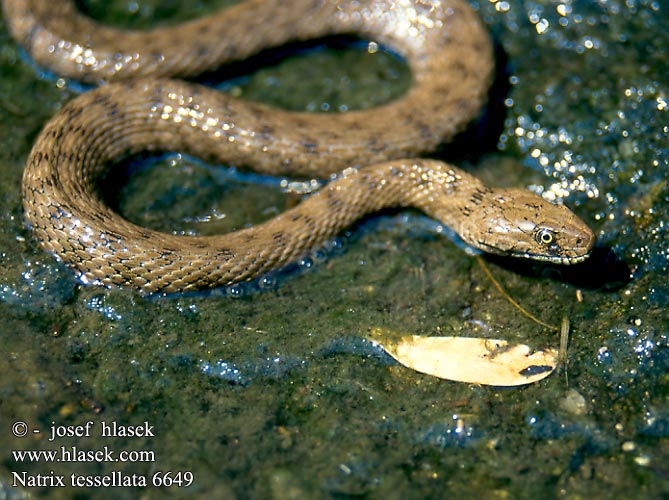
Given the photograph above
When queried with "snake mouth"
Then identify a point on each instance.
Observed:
(552, 259)
(564, 260)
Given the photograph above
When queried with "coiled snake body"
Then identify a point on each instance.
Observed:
(446, 48)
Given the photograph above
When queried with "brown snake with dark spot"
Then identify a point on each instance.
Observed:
(450, 57)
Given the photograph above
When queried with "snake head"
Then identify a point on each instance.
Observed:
(518, 223)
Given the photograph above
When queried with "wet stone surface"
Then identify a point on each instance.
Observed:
(273, 389)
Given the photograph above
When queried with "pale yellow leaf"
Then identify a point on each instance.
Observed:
(472, 360)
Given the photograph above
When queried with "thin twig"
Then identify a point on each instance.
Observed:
(501, 290)
(564, 341)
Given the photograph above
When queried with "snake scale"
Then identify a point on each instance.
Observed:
(140, 108)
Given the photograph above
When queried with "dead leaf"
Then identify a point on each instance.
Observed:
(472, 360)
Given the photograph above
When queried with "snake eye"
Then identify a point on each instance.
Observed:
(545, 237)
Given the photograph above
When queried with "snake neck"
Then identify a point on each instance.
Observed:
(439, 190)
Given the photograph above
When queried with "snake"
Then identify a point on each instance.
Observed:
(376, 158)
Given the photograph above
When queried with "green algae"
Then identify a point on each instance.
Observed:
(273, 390)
